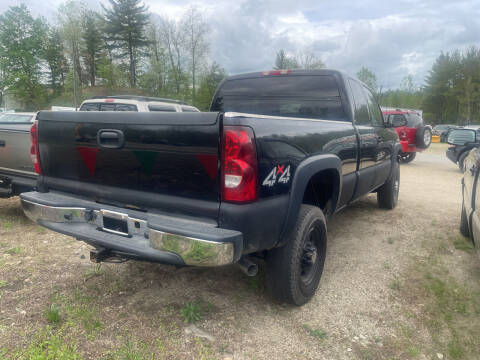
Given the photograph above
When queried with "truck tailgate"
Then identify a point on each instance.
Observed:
(139, 160)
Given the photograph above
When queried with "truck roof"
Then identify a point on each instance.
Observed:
(286, 72)
(139, 98)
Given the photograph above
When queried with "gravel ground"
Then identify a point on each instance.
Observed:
(365, 308)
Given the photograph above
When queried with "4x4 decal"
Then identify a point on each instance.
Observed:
(279, 173)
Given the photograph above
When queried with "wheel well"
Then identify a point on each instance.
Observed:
(321, 189)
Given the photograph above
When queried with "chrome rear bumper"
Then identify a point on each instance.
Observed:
(152, 239)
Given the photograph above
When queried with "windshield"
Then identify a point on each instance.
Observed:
(315, 97)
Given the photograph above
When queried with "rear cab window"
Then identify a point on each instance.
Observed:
(303, 96)
(108, 107)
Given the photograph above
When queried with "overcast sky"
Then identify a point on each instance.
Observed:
(392, 38)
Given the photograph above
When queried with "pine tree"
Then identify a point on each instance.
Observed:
(125, 29)
(54, 56)
(93, 44)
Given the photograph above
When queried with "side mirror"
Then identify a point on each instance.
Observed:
(461, 136)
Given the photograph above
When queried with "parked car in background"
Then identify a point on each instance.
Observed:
(135, 103)
(414, 136)
(442, 131)
(17, 172)
(459, 148)
(258, 176)
(470, 213)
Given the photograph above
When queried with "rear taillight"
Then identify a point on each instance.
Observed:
(34, 150)
(239, 164)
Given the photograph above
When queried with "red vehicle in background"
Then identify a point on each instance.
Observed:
(414, 136)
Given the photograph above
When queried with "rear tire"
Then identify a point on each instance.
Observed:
(387, 194)
(424, 137)
(464, 230)
(294, 270)
(461, 160)
(405, 158)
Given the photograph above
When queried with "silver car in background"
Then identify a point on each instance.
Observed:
(17, 173)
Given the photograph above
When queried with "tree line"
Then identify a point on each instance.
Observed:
(121, 49)
(124, 48)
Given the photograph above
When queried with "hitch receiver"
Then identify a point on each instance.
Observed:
(98, 255)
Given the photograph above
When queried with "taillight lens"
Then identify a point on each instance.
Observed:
(239, 164)
(34, 150)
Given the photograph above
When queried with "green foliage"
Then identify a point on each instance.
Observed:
(14, 251)
(93, 43)
(192, 312)
(21, 50)
(50, 346)
(452, 90)
(285, 61)
(369, 78)
(55, 58)
(52, 315)
(464, 244)
(125, 29)
(317, 333)
(131, 351)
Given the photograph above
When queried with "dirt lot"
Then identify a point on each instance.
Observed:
(399, 284)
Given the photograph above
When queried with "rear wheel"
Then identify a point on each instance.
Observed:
(407, 157)
(424, 137)
(294, 270)
(461, 160)
(387, 194)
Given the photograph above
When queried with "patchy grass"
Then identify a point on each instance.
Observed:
(14, 251)
(131, 350)
(450, 310)
(317, 333)
(192, 312)
(48, 345)
(464, 244)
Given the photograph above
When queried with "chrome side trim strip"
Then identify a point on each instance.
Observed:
(253, 116)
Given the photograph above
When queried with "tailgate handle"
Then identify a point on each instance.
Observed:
(110, 138)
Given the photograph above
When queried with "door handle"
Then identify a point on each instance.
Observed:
(2, 143)
(110, 138)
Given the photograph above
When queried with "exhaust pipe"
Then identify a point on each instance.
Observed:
(248, 266)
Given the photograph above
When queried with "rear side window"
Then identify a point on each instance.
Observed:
(376, 116)
(361, 105)
(162, 108)
(413, 120)
(314, 97)
(14, 118)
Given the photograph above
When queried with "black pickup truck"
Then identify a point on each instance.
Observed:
(258, 176)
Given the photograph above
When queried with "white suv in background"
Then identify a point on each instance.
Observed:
(135, 103)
